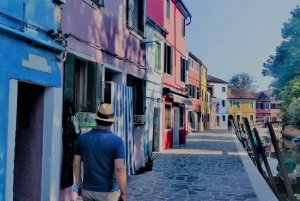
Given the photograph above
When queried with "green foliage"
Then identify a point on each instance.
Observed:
(284, 67)
(293, 113)
(150, 157)
(243, 81)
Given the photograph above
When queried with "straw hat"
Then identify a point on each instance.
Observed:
(105, 113)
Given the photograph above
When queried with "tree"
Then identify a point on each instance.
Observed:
(243, 81)
(284, 67)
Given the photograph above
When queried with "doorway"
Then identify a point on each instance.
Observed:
(156, 129)
(218, 121)
(238, 118)
(176, 127)
(27, 173)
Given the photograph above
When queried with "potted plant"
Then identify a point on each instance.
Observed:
(150, 157)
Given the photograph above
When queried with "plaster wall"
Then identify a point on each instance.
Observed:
(219, 94)
(105, 28)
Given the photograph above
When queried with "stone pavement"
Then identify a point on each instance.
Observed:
(207, 167)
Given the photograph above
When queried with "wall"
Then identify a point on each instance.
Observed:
(244, 111)
(105, 27)
(153, 86)
(218, 90)
(203, 87)
(263, 112)
(31, 59)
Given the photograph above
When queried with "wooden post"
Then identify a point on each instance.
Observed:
(281, 164)
(263, 155)
(254, 147)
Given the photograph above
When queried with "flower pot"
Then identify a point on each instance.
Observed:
(149, 166)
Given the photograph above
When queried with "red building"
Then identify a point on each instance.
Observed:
(173, 16)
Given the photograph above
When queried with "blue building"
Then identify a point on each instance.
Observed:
(221, 102)
(31, 99)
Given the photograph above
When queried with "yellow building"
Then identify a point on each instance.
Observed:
(204, 98)
(241, 103)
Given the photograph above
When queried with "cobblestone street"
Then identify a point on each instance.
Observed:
(207, 167)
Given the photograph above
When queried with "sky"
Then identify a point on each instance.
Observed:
(235, 36)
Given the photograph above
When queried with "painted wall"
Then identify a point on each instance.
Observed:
(263, 112)
(244, 111)
(105, 27)
(31, 59)
(219, 94)
(153, 86)
(203, 92)
(157, 11)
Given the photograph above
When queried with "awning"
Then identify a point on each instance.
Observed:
(180, 99)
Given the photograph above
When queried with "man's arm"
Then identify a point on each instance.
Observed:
(77, 172)
(120, 172)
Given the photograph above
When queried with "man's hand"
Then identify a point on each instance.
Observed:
(79, 192)
(122, 198)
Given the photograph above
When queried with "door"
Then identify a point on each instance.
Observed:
(176, 127)
(156, 128)
(218, 121)
(27, 181)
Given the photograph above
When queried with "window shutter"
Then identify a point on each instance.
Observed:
(183, 69)
(171, 59)
(198, 93)
(187, 64)
(156, 55)
(141, 15)
(68, 87)
(183, 27)
(129, 80)
(144, 96)
(166, 57)
(130, 13)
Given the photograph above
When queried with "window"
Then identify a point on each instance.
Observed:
(251, 117)
(223, 89)
(138, 93)
(230, 103)
(259, 106)
(183, 69)
(168, 9)
(224, 117)
(157, 50)
(251, 105)
(192, 90)
(202, 95)
(198, 93)
(181, 117)
(190, 115)
(168, 59)
(202, 74)
(267, 106)
(192, 64)
(198, 69)
(238, 118)
(223, 103)
(273, 106)
(167, 116)
(135, 15)
(183, 27)
(99, 3)
(238, 105)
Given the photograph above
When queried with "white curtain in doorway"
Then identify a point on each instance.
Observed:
(121, 99)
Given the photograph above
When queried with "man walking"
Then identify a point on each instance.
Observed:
(102, 154)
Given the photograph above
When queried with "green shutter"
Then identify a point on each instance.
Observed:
(156, 55)
(144, 96)
(166, 58)
(171, 59)
(130, 11)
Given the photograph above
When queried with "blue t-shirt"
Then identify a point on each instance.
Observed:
(98, 150)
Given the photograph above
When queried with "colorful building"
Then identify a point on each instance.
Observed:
(204, 99)
(267, 107)
(172, 15)
(155, 41)
(221, 103)
(241, 103)
(31, 100)
(193, 80)
(106, 63)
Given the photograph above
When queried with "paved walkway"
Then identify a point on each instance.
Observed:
(207, 167)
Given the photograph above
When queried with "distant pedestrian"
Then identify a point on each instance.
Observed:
(229, 124)
(102, 154)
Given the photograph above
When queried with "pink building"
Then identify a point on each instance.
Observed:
(172, 16)
(105, 63)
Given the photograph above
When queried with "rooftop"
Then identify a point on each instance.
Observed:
(241, 94)
(214, 79)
